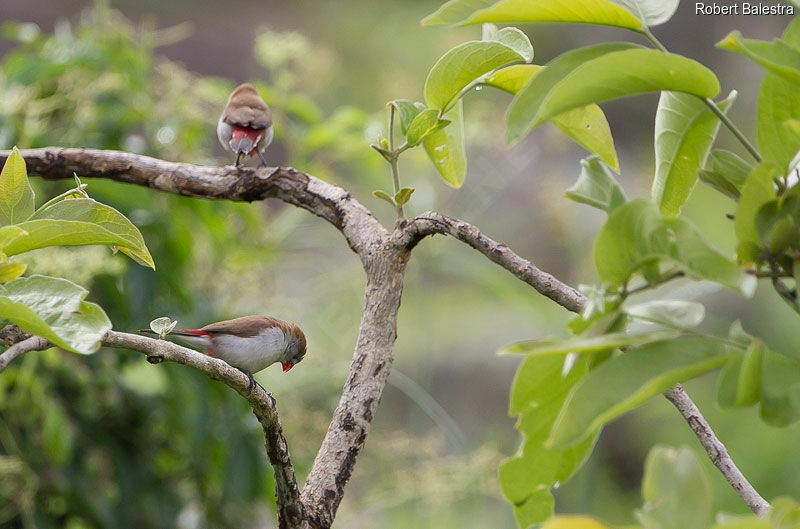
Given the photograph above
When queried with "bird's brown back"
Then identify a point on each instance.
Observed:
(245, 108)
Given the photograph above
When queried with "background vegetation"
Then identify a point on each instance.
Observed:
(108, 440)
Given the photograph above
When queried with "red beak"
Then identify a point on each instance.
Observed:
(287, 366)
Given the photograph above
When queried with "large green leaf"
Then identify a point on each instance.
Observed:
(596, 186)
(636, 236)
(461, 66)
(537, 395)
(54, 309)
(778, 103)
(586, 125)
(16, 194)
(80, 221)
(675, 490)
(628, 381)
(601, 73)
(445, 148)
(650, 12)
(601, 12)
(685, 131)
(776, 56)
(534, 94)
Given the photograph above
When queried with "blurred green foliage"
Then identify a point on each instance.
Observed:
(109, 441)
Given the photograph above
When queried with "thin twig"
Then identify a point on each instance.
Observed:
(716, 451)
(431, 223)
(33, 343)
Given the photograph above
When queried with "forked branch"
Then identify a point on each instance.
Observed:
(383, 255)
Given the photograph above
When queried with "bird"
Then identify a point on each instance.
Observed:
(249, 343)
(245, 126)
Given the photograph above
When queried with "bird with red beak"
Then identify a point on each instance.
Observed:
(245, 126)
(250, 343)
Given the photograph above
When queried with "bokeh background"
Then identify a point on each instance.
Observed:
(111, 441)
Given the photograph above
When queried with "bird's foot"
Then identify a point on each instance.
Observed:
(263, 161)
(252, 381)
(238, 156)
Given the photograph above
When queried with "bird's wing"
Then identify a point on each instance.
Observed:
(245, 326)
(249, 112)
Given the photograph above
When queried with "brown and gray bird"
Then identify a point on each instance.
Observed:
(245, 126)
(249, 343)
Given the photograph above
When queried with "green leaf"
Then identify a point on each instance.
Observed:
(757, 190)
(513, 77)
(461, 66)
(16, 194)
(596, 186)
(685, 131)
(650, 12)
(162, 326)
(587, 345)
(9, 271)
(81, 221)
(573, 521)
(402, 196)
(727, 384)
(780, 392)
(601, 12)
(675, 490)
(383, 195)
(586, 125)
(406, 110)
(635, 236)
(9, 234)
(537, 395)
(627, 381)
(778, 102)
(777, 56)
(513, 38)
(731, 166)
(425, 123)
(602, 73)
(784, 514)
(749, 382)
(672, 312)
(719, 182)
(446, 150)
(54, 309)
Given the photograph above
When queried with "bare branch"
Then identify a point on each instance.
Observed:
(716, 451)
(325, 200)
(431, 223)
(32, 343)
(290, 510)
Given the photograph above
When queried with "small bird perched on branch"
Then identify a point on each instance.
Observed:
(249, 343)
(245, 126)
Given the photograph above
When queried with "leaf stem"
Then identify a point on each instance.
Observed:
(393, 155)
(645, 31)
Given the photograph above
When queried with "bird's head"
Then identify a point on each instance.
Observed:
(295, 350)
